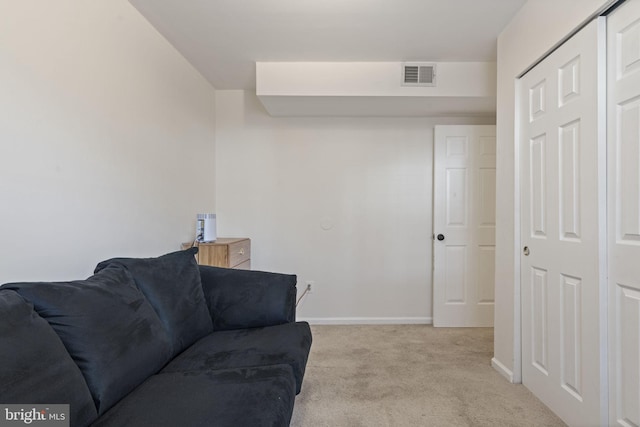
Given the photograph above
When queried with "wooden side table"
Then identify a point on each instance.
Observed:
(225, 252)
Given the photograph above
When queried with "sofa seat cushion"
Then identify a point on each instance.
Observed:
(35, 367)
(171, 283)
(288, 343)
(108, 328)
(261, 396)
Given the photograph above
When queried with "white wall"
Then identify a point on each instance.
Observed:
(368, 89)
(106, 139)
(464, 79)
(345, 202)
(536, 28)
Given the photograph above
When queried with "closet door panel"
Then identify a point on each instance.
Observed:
(623, 110)
(562, 178)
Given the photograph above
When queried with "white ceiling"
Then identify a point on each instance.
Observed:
(224, 38)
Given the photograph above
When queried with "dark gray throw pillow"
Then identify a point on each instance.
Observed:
(35, 367)
(240, 299)
(108, 328)
(172, 286)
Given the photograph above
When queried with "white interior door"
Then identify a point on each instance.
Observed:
(563, 229)
(464, 225)
(623, 63)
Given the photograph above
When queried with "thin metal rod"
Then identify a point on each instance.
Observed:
(605, 9)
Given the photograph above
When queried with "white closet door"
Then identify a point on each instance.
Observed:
(562, 225)
(624, 213)
(464, 222)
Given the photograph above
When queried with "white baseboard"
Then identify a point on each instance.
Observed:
(503, 370)
(367, 320)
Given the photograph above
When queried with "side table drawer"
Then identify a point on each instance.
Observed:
(244, 266)
(225, 252)
(239, 252)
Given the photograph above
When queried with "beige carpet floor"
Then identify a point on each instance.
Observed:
(410, 375)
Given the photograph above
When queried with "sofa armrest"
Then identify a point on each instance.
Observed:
(240, 299)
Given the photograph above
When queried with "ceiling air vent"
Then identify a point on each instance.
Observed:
(418, 74)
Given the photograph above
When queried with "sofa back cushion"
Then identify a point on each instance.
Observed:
(35, 367)
(172, 286)
(108, 328)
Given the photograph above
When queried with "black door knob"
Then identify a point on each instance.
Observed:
(441, 237)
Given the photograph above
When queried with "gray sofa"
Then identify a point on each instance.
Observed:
(156, 342)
